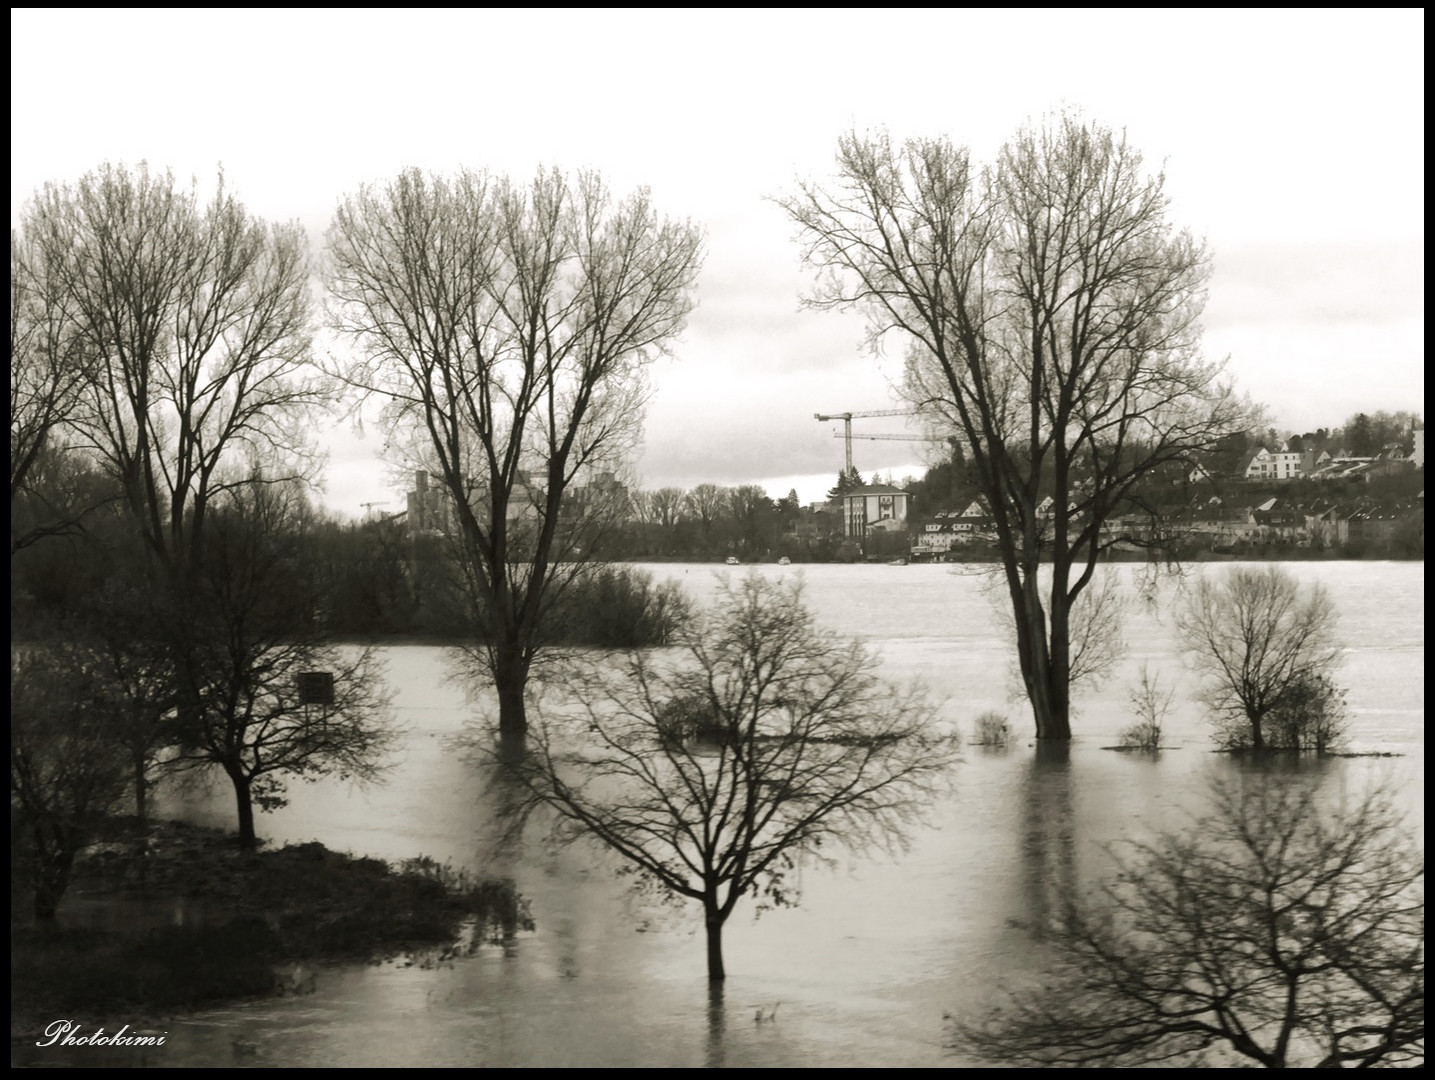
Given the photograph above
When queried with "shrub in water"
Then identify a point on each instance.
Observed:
(1310, 716)
(1151, 703)
(992, 729)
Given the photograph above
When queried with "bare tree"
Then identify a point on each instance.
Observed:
(667, 507)
(752, 516)
(269, 697)
(1151, 702)
(1277, 932)
(705, 504)
(196, 320)
(640, 507)
(771, 740)
(1263, 642)
(47, 372)
(1051, 313)
(508, 326)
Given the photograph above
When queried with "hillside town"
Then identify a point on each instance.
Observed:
(1311, 495)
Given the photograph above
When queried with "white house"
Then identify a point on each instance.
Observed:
(1286, 465)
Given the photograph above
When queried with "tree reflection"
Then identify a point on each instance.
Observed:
(717, 1025)
(1048, 847)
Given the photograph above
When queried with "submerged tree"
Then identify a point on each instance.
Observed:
(1266, 645)
(1051, 311)
(767, 741)
(508, 327)
(1277, 932)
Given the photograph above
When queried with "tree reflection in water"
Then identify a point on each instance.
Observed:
(1048, 844)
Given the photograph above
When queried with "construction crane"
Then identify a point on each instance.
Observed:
(846, 418)
(369, 506)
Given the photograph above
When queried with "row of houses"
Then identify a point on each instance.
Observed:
(1318, 524)
(1260, 464)
(1322, 524)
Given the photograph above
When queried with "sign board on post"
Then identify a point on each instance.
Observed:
(316, 687)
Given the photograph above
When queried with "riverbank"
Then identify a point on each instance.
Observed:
(215, 925)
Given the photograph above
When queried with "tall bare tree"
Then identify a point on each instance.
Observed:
(195, 317)
(706, 504)
(508, 327)
(752, 515)
(667, 507)
(1051, 314)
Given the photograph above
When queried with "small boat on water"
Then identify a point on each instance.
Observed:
(784, 561)
(898, 561)
(732, 560)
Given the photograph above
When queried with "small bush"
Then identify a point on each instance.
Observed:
(992, 729)
(1142, 736)
(1151, 702)
(688, 718)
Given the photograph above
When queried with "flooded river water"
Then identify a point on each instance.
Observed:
(880, 949)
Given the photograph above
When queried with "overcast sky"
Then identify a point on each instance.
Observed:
(1292, 140)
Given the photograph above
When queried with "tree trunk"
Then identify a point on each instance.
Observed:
(247, 839)
(141, 790)
(510, 679)
(716, 971)
(1058, 671)
(50, 881)
(1047, 683)
(52, 874)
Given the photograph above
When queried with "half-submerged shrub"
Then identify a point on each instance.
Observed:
(992, 729)
(1151, 702)
(689, 718)
(1311, 715)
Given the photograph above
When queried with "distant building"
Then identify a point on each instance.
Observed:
(1255, 464)
(431, 510)
(1286, 465)
(1260, 464)
(428, 508)
(875, 505)
(1417, 456)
